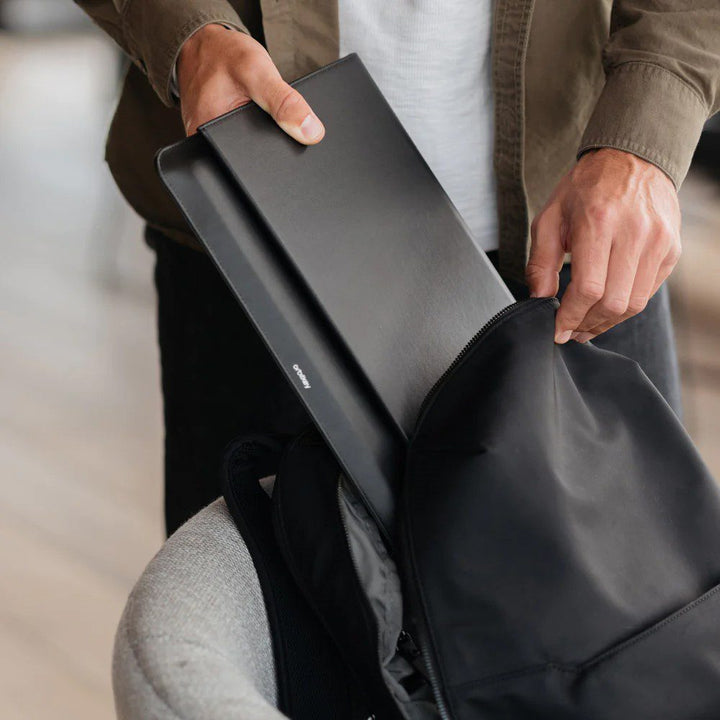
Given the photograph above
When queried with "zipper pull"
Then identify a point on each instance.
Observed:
(406, 646)
(408, 649)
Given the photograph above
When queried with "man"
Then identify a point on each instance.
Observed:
(581, 115)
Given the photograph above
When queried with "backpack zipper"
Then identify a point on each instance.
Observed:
(415, 599)
(423, 636)
(407, 647)
(469, 345)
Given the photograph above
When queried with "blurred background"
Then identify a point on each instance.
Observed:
(80, 412)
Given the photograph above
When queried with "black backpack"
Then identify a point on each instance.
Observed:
(557, 553)
(313, 682)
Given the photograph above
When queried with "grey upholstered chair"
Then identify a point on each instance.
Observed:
(193, 642)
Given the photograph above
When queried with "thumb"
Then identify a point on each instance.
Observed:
(547, 253)
(290, 111)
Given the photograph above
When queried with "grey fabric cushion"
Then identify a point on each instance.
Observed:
(194, 640)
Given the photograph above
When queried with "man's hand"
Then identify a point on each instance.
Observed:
(619, 217)
(221, 69)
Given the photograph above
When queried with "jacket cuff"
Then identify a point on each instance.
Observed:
(157, 30)
(649, 112)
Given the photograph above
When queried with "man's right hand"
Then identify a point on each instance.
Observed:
(220, 69)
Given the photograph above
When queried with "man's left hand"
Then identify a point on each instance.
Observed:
(619, 217)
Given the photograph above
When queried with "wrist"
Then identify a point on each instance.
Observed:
(199, 37)
(623, 163)
(191, 50)
(614, 155)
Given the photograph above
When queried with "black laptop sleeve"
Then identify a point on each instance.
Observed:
(347, 256)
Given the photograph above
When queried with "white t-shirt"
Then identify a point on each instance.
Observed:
(431, 60)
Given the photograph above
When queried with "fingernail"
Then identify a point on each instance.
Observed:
(563, 337)
(311, 128)
(583, 337)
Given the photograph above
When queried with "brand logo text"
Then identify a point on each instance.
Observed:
(303, 379)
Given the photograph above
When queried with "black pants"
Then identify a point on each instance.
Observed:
(219, 380)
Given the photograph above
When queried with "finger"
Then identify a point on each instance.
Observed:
(589, 267)
(215, 96)
(629, 286)
(657, 262)
(668, 265)
(286, 106)
(547, 251)
(639, 292)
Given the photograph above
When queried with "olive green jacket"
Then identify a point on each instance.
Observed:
(568, 76)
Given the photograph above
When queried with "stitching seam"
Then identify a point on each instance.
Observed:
(577, 669)
(651, 67)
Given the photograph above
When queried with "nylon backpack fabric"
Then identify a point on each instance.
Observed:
(343, 568)
(313, 682)
(561, 536)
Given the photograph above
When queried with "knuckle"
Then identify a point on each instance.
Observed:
(637, 222)
(614, 306)
(637, 304)
(599, 214)
(661, 235)
(590, 291)
(670, 226)
(665, 234)
(285, 102)
(537, 265)
(673, 246)
(253, 63)
(586, 325)
(639, 226)
(674, 253)
(535, 273)
(248, 45)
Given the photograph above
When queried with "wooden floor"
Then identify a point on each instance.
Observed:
(80, 415)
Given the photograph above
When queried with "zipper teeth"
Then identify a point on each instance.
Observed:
(418, 609)
(466, 348)
(417, 617)
(420, 628)
(434, 682)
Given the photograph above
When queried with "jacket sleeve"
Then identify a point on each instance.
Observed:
(152, 32)
(662, 67)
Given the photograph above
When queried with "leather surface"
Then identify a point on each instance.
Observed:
(349, 259)
(369, 228)
(357, 428)
(563, 536)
